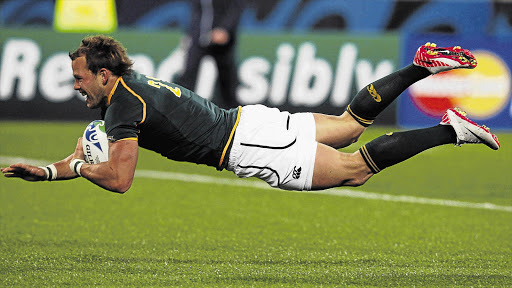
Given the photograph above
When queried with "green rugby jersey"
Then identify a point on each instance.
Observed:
(170, 120)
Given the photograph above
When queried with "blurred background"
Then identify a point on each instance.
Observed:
(298, 55)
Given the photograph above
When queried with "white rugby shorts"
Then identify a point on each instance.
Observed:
(277, 147)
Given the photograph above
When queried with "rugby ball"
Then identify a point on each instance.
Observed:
(95, 143)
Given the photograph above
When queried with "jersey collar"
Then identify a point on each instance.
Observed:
(113, 90)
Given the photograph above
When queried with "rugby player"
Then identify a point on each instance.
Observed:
(288, 151)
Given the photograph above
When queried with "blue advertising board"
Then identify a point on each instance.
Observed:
(484, 92)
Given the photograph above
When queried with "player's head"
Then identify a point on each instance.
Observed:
(102, 51)
(96, 64)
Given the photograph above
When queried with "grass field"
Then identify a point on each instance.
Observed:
(191, 234)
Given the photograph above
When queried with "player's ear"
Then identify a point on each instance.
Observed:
(104, 73)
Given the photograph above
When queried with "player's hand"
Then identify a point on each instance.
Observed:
(79, 151)
(25, 172)
(219, 36)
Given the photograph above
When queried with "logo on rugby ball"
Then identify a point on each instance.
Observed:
(91, 133)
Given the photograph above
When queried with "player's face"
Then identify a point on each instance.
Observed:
(88, 83)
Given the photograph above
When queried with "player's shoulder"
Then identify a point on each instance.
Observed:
(126, 99)
(129, 85)
(152, 90)
(132, 80)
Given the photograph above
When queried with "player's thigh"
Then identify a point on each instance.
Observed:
(334, 168)
(337, 131)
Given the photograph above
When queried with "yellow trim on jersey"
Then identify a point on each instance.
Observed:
(362, 120)
(230, 137)
(112, 91)
(131, 138)
(140, 99)
(367, 156)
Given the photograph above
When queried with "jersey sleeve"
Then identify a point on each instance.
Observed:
(122, 119)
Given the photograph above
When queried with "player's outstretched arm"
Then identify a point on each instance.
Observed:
(56, 171)
(117, 173)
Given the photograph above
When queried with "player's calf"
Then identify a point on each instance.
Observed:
(395, 147)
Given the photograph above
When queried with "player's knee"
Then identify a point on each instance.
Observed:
(354, 128)
(355, 138)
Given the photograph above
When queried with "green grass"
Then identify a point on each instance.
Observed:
(171, 233)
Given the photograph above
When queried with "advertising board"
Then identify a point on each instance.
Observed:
(317, 72)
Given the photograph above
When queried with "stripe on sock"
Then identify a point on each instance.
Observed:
(362, 121)
(368, 159)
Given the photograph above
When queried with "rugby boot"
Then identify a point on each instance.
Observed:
(468, 131)
(436, 59)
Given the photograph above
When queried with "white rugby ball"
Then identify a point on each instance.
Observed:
(95, 143)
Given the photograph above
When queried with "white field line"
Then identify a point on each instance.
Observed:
(196, 178)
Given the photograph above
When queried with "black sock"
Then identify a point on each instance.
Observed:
(375, 97)
(393, 148)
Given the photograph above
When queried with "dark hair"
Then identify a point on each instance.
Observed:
(102, 51)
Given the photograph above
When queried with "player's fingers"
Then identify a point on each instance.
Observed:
(9, 169)
(79, 152)
(18, 167)
(12, 171)
(26, 172)
(23, 169)
(11, 175)
(78, 145)
(15, 165)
